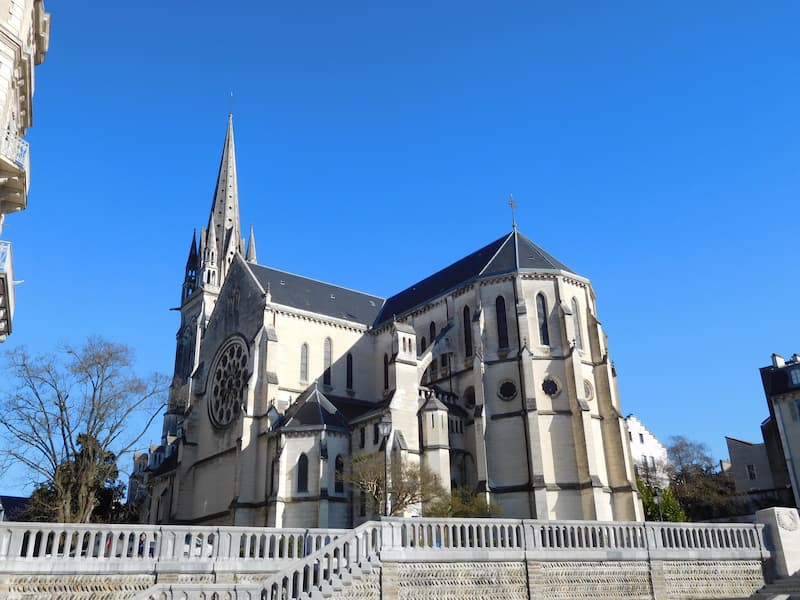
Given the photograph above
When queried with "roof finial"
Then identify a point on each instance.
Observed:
(230, 104)
(513, 205)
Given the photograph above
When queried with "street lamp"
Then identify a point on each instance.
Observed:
(384, 429)
(657, 500)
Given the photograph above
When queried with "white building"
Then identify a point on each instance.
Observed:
(649, 455)
(494, 371)
(24, 37)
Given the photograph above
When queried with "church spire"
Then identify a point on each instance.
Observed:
(192, 268)
(223, 222)
(251, 247)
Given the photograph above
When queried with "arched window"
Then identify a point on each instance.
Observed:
(422, 345)
(576, 322)
(433, 331)
(338, 486)
(467, 333)
(541, 311)
(302, 473)
(349, 371)
(326, 360)
(385, 371)
(502, 323)
(273, 478)
(304, 363)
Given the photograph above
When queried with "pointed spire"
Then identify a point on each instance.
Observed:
(251, 247)
(192, 267)
(224, 217)
(191, 262)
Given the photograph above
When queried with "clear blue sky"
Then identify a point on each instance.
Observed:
(653, 147)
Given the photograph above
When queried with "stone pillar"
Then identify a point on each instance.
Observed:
(782, 538)
(390, 581)
(658, 583)
(534, 571)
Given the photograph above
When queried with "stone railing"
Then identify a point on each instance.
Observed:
(65, 548)
(569, 540)
(317, 574)
(277, 564)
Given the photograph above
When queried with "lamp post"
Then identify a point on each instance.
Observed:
(384, 429)
(657, 500)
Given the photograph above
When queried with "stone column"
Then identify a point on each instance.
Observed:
(782, 534)
(390, 581)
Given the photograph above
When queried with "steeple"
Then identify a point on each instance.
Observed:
(223, 222)
(211, 279)
(251, 247)
(192, 267)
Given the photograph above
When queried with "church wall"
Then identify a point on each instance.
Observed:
(294, 329)
(301, 508)
(213, 486)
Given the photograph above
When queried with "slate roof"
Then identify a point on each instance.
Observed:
(316, 296)
(512, 252)
(313, 410)
(14, 507)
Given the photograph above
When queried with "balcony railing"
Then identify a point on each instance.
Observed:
(15, 149)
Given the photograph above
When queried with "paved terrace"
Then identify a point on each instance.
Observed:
(394, 558)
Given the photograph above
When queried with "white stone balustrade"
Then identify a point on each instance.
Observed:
(73, 548)
(191, 562)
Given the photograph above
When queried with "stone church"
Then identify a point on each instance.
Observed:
(494, 372)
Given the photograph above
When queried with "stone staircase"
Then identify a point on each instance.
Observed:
(782, 589)
(346, 568)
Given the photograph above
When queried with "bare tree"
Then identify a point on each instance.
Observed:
(72, 415)
(409, 484)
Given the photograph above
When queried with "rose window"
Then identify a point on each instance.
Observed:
(228, 384)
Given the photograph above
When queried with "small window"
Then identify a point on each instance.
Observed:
(630, 436)
(362, 437)
(641, 438)
(576, 322)
(339, 484)
(433, 332)
(422, 344)
(751, 472)
(349, 371)
(652, 462)
(644, 461)
(362, 504)
(794, 376)
(502, 322)
(385, 371)
(326, 361)
(304, 363)
(541, 312)
(302, 473)
(376, 434)
(467, 333)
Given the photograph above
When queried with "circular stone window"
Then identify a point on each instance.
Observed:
(550, 387)
(227, 384)
(588, 391)
(507, 390)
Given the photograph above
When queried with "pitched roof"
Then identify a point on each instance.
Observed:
(313, 410)
(512, 252)
(316, 296)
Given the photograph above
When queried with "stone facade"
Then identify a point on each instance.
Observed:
(24, 39)
(494, 371)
